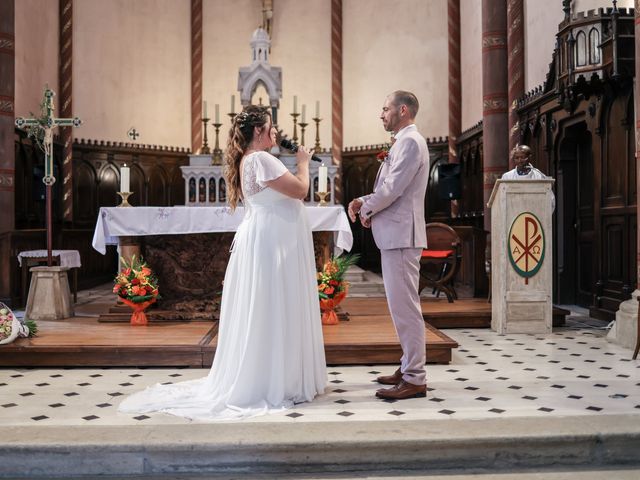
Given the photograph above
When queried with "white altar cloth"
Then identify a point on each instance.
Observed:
(114, 222)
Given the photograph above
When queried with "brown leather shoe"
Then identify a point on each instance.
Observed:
(394, 379)
(403, 390)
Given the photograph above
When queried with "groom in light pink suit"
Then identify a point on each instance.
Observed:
(395, 213)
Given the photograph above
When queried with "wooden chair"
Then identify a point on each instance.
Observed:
(444, 251)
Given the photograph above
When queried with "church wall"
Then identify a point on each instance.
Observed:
(471, 62)
(131, 68)
(227, 28)
(36, 47)
(390, 45)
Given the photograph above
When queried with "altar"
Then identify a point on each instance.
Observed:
(188, 247)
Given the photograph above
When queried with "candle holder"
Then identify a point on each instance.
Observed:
(232, 116)
(317, 147)
(323, 201)
(295, 127)
(125, 196)
(303, 125)
(217, 153)
(205, 150)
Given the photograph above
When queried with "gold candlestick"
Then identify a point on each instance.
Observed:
(125, 196)
(317, 147)
(302, 127)
(323, 196)
(232, 116)
(217, 153)
(205, 150)
(295, 127)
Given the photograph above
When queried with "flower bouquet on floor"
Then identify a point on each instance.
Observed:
(12, 328)
(332, 287)
(137, 287)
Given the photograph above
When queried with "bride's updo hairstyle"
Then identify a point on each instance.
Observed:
(240, 137)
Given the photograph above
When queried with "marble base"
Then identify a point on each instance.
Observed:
(625, 329)
(49, 295)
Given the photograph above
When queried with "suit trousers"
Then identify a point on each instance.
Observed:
(401, 273)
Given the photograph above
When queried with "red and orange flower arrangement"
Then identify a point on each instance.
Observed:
(384, 153)
(137, 287)
(332, 288)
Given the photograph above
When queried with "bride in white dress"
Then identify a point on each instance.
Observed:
(270, 352)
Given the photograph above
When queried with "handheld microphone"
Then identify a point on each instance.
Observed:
(289, 145)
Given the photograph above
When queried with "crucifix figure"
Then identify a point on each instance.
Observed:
(41, 129)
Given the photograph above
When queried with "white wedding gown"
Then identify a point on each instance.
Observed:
(270, 352)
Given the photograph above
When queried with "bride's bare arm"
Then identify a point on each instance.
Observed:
(294, 186)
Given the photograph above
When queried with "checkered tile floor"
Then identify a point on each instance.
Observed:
(573, 371)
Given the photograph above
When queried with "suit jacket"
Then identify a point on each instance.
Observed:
(396, 206)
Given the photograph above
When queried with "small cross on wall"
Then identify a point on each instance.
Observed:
(133, 134)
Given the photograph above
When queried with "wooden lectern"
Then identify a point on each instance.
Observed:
(521, 256)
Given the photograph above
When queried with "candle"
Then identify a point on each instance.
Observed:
(217, 113)
(124, 178)
(295, 104)
(322, 178)
(304, 111)
(204, 109)
(233, 103)
(317, 109)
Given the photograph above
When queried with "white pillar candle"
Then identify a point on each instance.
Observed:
(317, 109)
(295, 104)
(124, 178)
(233, 104)
(322, 178)
(217, 113)
(304, 113)
(204, 109)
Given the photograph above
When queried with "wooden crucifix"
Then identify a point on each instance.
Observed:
(41, 129)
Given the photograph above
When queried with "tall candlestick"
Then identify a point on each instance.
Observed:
(124, 178)
(317, 109)
(322, 178)
(295, 104)
(304, 113)
(204, 109)
(217, 113)
(233, 103)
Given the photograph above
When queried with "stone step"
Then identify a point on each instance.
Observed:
(278, 449)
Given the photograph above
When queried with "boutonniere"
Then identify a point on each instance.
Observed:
(384, 153)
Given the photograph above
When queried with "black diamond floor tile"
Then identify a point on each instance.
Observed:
(397, 413)
(90, 417)
(42, 384)
(497, 410)
(594, 409)
(27, 394)
(529, 397)
(9, 405)
(447, 412)
(545, 409)
(57, 405)
(84, 384)
(39, 417)
(128, 384)
(141, 417)
(483, 399)
(471, 388)
(345, 414)
(339, 390)
(115, 394)
(342, 401)
(71, 394)
(103, 405)
(294, 415)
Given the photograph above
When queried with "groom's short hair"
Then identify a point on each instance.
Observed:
(402, 97)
